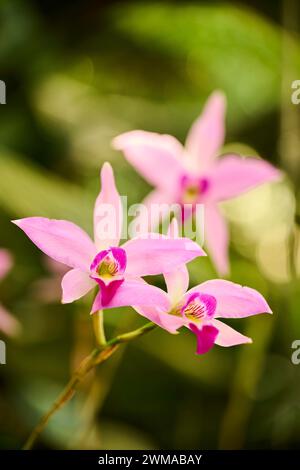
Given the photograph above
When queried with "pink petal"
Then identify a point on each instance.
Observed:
(8, 324)
(134, 293)
(206, 135)
(228, 336)
(168, 322)
(5, 262)
(155, 156)
(177, 280)
(216, 238)
(156, 254)
(108, 212)
(75, 284)
(233, 175)
(234, 300)
(61, 240)
(206, 337)
(156, 206)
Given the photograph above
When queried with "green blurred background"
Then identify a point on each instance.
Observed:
(77, 74)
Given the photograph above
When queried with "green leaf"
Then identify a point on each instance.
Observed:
(216, 46)
(26, 191)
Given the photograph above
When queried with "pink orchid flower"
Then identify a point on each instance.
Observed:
(8, 324)
(200, 308)
(193, 174)
(102, 262)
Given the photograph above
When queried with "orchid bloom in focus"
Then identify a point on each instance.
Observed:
(102, 262)
(193, 174)
(8, 324)
(200, 308)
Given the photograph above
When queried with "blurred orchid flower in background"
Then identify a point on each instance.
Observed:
(8, 324)
(200, 308)
(193, 174)
(116, 270)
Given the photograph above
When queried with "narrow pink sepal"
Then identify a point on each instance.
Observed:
(206, 135)
(177, 280)
(108, 211)
(61, 240)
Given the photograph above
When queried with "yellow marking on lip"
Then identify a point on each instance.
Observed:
(191, 194)
(195, 311)
(107, 268)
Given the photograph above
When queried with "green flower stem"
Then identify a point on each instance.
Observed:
(98, 324)
(131, 335)
(97, 356)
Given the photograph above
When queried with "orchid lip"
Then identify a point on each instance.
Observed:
(199, 307)
(107, 269)
(108, 266)
(193, 188)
